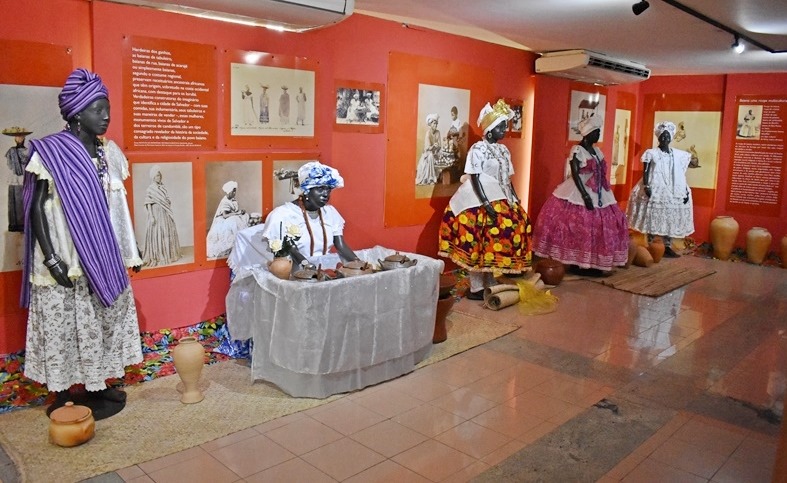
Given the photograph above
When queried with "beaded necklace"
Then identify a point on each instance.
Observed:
(103, 170)
(309, 229)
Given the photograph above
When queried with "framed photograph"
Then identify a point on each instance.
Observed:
(583, 105)
(515, 125)
(420, 175)
(359, 107)
(272, 100)
(163, 203)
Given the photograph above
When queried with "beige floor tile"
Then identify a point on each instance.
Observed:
(388, 402)
(424, 388)
(387, 472)
(711, 436)
(294, 470)
(343, 458)
(468, 472)
(685, 456)
(473, 439)
(650, 471)
(192, 453)
(252, 455)
(538, 404)
(348, 418)
(507, 420)
(433, 460)
(429, 420)
(738, 470)
(140, 479)
(503, 452)
(233, 438)
(464, 403)
(196, 469)
(278, 422)
(291, 436)
(130, 473)
(389, 438)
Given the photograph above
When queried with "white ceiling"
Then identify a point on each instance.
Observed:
(666, 39)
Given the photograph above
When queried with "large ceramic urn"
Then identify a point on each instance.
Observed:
(723, 232)
(758, 242)
(189, 358)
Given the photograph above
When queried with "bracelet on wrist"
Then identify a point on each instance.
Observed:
(52, 260)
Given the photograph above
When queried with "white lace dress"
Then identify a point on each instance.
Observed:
(664, 212)
(71, 337)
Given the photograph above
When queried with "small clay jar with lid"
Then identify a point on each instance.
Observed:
(71, 425)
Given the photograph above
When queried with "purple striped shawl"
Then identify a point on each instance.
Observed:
(87, 215)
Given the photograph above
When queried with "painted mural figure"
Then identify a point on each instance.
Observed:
(264, 105)
(426, 169)
(661, 203)
(228, 220)
(162, 246)
(16, 157)
(284, 106)
(484, 227)
(581, 224)
(300, 100)
(82, 321)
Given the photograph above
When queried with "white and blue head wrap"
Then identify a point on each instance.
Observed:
(314, 173)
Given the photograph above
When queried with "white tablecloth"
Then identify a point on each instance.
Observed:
(323, 338)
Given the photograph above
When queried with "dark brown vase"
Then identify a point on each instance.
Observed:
(440, 330)
(552, 271)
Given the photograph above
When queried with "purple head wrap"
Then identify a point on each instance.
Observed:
(81, 89)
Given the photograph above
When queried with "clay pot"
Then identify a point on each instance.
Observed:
(784, 251)
(758, 242)
(551, 271)
(443, 307)
(656, 249)
(447, 283)
(354, 268)
(189, 358)
(71, 425)
(643, 257)
(281, 267)
(632, 251)
(723, 233)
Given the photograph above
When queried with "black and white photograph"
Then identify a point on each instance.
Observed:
(164, 213)
(233, 196)
(27, 113)
(749, 120)
(271, 101)
(442, 139)
(357, 106)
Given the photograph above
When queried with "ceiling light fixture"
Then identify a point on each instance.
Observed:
(738, 46)
(640, 7)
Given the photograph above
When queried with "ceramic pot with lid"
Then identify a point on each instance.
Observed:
(392, 262)
(71, 425)
(354, 268)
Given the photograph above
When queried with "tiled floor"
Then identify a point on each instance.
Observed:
(610, 387)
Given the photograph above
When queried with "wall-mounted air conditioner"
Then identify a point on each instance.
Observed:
(590, 67)
(290, 15)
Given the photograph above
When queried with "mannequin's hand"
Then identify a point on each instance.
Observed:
(648, 191)
(491, 214)
(686, 199)
(588, 202)
(136, 268)
(60, 273)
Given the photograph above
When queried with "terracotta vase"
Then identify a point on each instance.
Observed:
(632, 251)
(643, 257)
(189, 358)
(552, 271)
(723, 233)
(281, 267)
(440, 330)
(758, 242)
(784, 251)
(656, 249)
(71, 425)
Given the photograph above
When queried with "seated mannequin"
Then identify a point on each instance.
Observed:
(321, 226)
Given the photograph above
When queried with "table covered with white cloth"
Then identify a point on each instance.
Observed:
(315, 339)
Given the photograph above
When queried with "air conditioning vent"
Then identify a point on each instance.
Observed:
(591, 67)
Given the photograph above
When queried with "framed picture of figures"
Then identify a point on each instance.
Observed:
(516, 124)
(162, 200)
(429, 133)
(359, 107)
(584, 104)
(271, 100)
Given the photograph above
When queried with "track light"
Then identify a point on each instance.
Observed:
(737, 45)
(640, 7)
